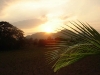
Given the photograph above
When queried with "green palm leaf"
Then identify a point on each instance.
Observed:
(88, 42)
(73, 54)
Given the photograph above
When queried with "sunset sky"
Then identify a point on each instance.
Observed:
(46, 15)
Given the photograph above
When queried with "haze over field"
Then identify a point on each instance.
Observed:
(45, 15)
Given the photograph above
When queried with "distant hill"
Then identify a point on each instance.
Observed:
(42, 35)
(65, 33)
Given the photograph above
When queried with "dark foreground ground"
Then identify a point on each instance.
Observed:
(32, 62)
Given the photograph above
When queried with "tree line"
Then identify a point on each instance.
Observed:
(12, 38)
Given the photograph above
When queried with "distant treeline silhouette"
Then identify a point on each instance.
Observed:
(12, 38)
(45, 42)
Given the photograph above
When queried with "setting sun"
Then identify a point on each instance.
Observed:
(48, 30)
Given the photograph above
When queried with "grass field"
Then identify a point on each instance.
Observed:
(32, 62)
(24, 62)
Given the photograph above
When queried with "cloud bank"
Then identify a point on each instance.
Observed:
(32, 13)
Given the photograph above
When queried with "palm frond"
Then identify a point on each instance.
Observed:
(68, 54)
(73, 54)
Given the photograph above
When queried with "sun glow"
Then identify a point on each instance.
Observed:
(51, 25)
(48, 30)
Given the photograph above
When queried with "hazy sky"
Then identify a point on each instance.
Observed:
(46, 15)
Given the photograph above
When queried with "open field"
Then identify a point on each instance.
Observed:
(32, 62)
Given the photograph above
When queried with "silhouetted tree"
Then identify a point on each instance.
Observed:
(10, 36)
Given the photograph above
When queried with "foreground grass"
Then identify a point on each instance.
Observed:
(23, 62)
(32, 62)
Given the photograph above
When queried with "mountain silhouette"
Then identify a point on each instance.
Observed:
(44, 35)
(40, 35)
